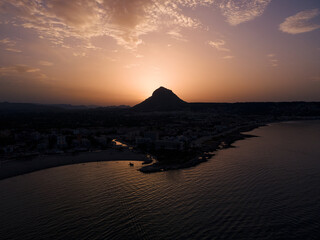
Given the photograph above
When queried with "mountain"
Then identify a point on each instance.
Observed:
(6, 107)
(162, 99)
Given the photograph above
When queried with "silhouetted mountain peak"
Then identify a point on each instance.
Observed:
(162, 91)
(162, 99)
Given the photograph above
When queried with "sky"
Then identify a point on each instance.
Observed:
(112, 52)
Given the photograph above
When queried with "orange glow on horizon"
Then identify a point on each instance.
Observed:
(83, 53)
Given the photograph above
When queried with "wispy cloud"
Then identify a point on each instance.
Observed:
(45, 63)
(19, 68)
(9, 45)
(274, 62)
(8, 42)
(125, 21)
(176, 34)
(239, 11)
(22, 70)
(132, 65)
(13, 50)
(300, 22)
(79, 54)
(219, 45)
(228, 57)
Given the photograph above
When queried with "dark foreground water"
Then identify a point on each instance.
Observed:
(266, 188)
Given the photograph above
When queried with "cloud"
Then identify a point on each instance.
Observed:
(9, 45)
(177, 35)
(274, 62)
(219, 45)
(79, 54)
(19, 68)
(126, 21)
(228, 57)
(13, 50)
(45, 63)
(123, 20)
(7, 42)
(195, 3)
(300, 23)
(239, 11)
(78, 14)
(132, 65)
(22, 70)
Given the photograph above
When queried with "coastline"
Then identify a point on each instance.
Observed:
(223, 143)
(218, 142)
(15, 167)
(11, 168)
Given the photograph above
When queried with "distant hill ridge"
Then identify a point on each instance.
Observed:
(37, 107)
(162, 99)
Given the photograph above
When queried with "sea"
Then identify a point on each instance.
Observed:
(266, 187)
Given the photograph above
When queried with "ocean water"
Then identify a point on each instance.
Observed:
(265, 188)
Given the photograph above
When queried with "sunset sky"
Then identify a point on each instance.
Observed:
(111, 52)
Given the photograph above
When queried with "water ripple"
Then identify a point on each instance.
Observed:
(266, 188)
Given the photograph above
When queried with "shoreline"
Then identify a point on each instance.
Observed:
(12, 168)
(225, 141)
(200, 158)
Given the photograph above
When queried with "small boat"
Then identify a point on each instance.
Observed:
(131, 164)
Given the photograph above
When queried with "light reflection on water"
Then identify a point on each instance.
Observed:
(118, 143)
(265, 188)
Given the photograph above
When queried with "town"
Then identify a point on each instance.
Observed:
(167, 131)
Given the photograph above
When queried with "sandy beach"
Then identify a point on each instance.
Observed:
(13, 168)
